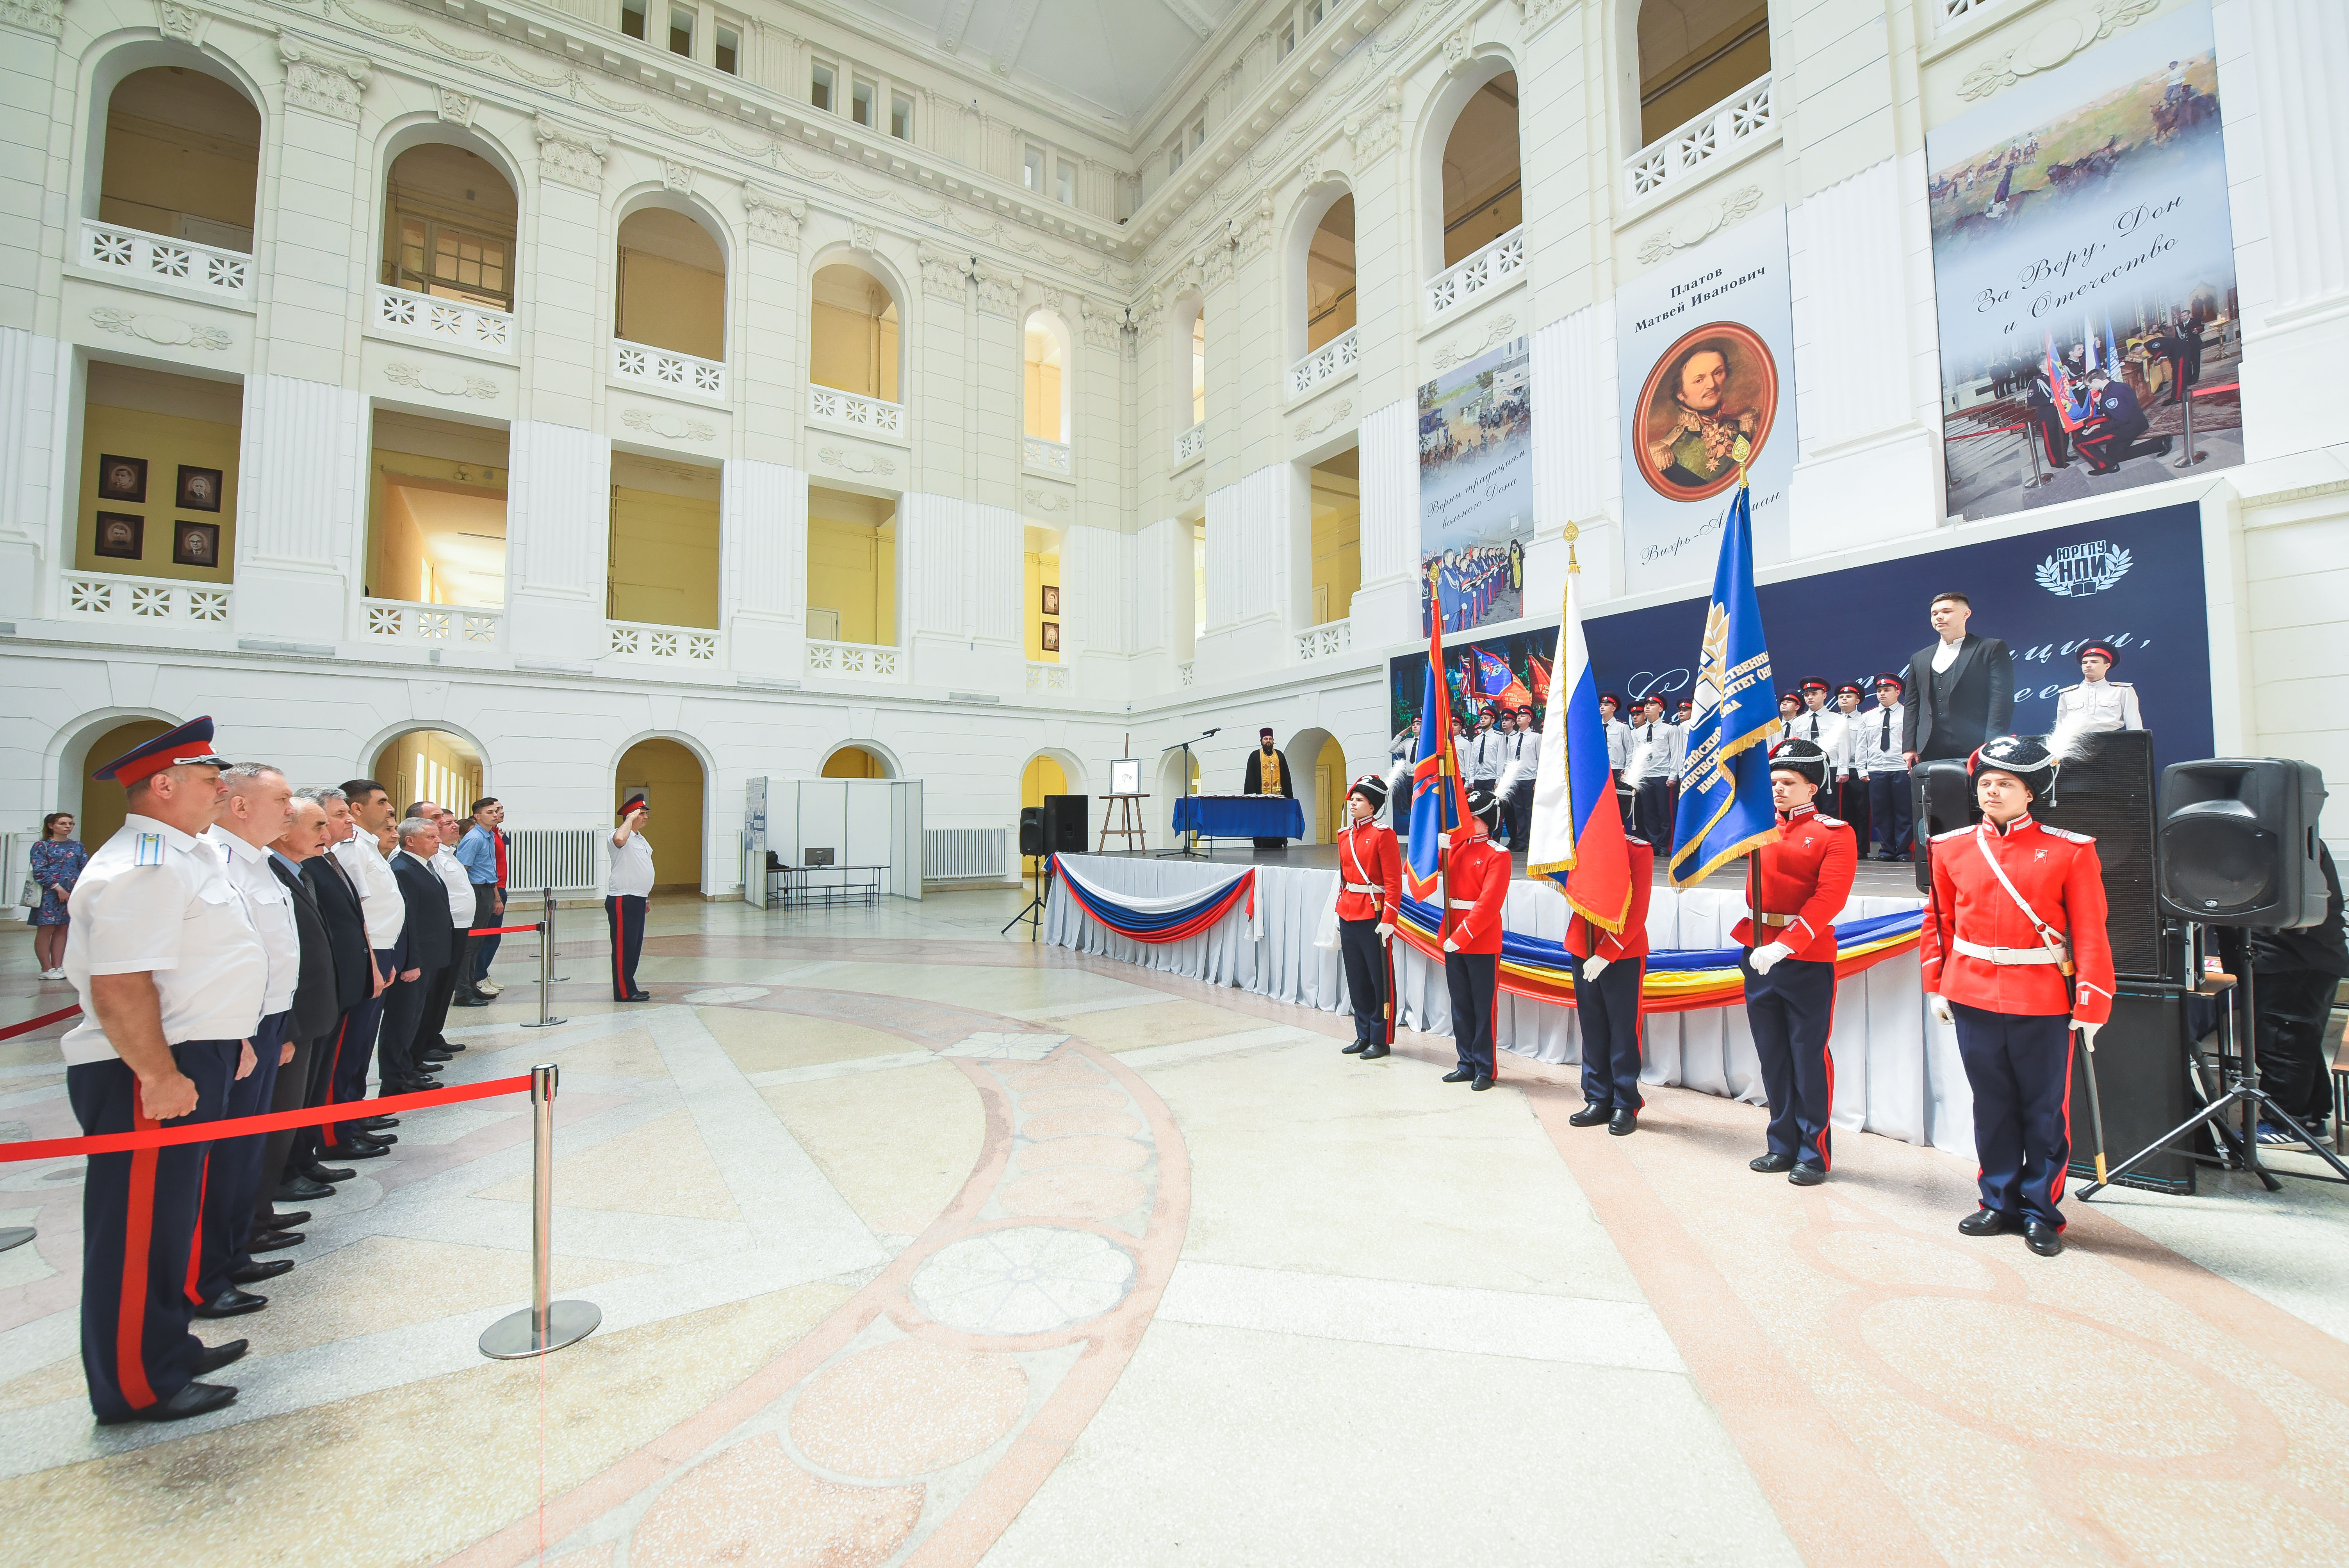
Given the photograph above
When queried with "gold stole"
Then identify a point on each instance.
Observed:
(1267, 775)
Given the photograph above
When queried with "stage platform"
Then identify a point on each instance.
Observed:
(1897, 1071)
(1873, 879)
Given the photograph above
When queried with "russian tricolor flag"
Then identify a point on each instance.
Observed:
(1578, 837)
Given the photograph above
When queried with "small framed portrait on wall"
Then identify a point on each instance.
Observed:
(121, 478)
(120, 536)
(1051, 599)
(1052, 636)
(195, 543)
(200, 489)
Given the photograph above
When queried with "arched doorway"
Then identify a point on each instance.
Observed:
(1320, 783)
(1174, 783)
(430, 765)
(98, 804)
(856, 762)
(675, 789)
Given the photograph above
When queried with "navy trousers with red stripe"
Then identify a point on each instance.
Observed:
(2020, 1067)
(1369, 980)
(1607, 1014)
(138, 1218)
(1474, 980)
(624, 913)
(232, 1171)
(1791, 1012)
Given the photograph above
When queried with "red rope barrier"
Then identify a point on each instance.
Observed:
(43, 1022)
(268, 1121)
(500, 930)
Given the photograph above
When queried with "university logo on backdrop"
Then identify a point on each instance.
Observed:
(2080, 226)
(2078, 570)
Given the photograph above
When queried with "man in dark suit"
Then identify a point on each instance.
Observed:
(358, 992)
(427, 945)
(317, 1004)
(1960, 689)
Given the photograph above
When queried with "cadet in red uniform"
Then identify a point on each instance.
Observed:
(1607, 969)
(2015, 955)
(1475, 881)
(1369, 892)
(1795, 888)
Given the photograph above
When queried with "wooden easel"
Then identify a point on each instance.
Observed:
(1129, 818)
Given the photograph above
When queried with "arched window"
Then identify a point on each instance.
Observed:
(435, 765)
(1330, 275)
(182, 158)
(1044, 387)
(1481, 197)
(676, 790)
(672, 285)
(448, 226)
(1695, 53)
(853, 332)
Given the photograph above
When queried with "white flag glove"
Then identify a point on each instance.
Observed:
(2088, 1033)
(1593, 967)
(1443, 841)
(1940, 1007)
(1766, 959)
(1386, 934)
(1450, 945)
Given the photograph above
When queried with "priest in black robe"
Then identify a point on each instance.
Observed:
(1268, 774)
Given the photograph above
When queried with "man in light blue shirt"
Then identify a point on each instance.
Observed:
(481, 852)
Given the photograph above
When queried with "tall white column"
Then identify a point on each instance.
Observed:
(1386, 606)
(301, 524)
(32, 471)
(558, 531)
(1577, 475)
(762, 522)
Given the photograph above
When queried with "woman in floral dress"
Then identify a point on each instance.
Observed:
(57, 861)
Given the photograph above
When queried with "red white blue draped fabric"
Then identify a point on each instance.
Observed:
(1157, 920)
(1577, 829)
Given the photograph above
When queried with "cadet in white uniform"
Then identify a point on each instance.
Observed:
(171, 976)
(1876, 736)
(630, 884)
(2096, 703)
(1658, 753)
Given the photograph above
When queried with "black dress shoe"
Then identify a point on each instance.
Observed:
(1482, 1083)
(212, 1357)
(1772, 1164)
(640, 996)
(1985, 1222)
(351, 1148)
(1374, 1050)
(1357, 1048)
(2041, 1237)
(375, 1136)
(276, 1222)
(452, 1046)
(232, 1303)
(299, 1188)
(253, 1273)
(274, 1241)
(194, 1399)
(1459, 1074)
(1591, 1115)
(468, 1001)
(374, 1124)
(1626, 1121)
(434, 1057)
(1807, 1174)
(330, 1174)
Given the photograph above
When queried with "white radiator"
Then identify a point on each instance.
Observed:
(563, 859)
(958, 854)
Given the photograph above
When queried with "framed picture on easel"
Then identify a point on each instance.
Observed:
(1125, 776)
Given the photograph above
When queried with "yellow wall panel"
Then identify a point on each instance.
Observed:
(671, 776)
(664, 567)
(166, 441)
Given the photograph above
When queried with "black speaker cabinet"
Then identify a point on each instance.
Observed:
(2141, 1075)
(1031, 831)
(2238, 841)
(1064, 824)
(2107, 793)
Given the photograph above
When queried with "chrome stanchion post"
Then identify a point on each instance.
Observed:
(544, 1325)
(545, 962)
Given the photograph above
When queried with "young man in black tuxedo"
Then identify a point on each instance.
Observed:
(1961, 687)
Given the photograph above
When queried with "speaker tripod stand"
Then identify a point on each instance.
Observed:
(1041, 867)
(2241, 1089)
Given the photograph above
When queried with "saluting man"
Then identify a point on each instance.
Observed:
(2096, 703)
(2017, 956)
(1370, 893)
(1475, 882)
(1795, 888)
(173, 976)
(1609, 967)
(628, 885)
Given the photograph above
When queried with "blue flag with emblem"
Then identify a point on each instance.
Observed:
(1725, 807)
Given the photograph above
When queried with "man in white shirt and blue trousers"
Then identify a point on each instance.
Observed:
(1875, 748)
(628, 885)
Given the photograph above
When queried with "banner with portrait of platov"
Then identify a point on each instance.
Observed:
(1705, 362)
(2084, 267)
(1475, 489)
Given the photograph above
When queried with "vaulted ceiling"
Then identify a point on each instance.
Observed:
(1111, 57)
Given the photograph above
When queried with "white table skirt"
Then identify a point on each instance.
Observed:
(1897, 1071)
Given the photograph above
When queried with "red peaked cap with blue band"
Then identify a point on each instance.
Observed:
(190, 744)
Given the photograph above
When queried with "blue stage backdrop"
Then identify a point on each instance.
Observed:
(2133, 581)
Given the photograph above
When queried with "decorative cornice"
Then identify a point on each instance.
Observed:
(1375, 133)
(774, 219)
(1103, 327)
(1255, 231)
(324, 81)
(2058, 37)
(569, 156)
(999, 293)
(944, 273)
(1699, 223)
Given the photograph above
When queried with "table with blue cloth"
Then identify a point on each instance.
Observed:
(1239, 817)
